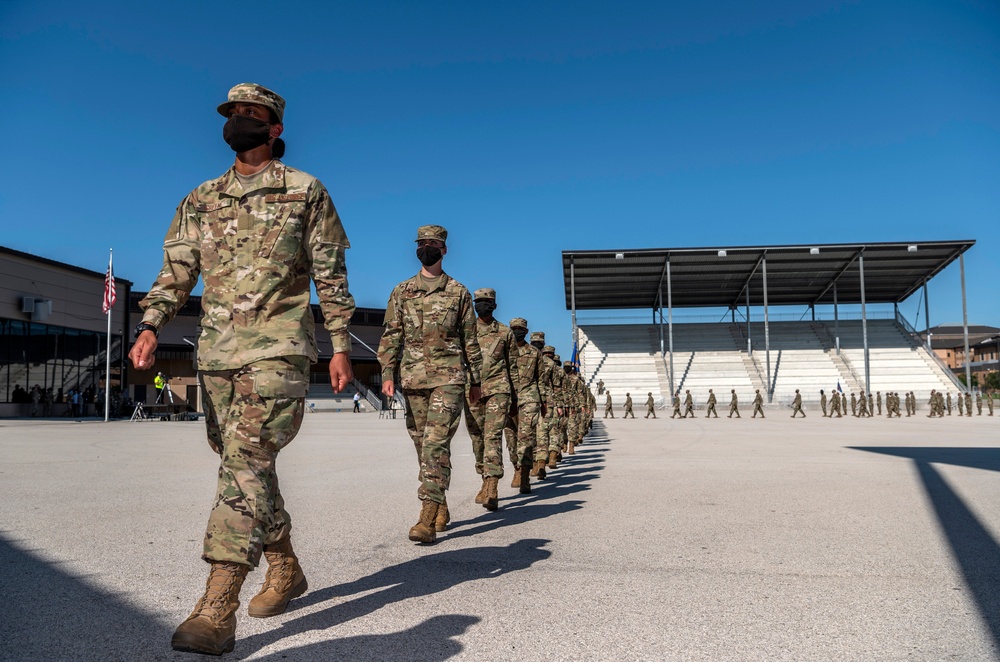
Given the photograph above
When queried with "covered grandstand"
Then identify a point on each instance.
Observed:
(744, 353)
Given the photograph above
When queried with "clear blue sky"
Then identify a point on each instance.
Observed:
(525, 128)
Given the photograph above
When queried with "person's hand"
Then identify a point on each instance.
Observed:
(474, 394)
(142, 354)
(388, 389)
(340, 371)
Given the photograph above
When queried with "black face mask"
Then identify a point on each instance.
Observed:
(519, 334)
(484, 308)
(538, 344)
(244, 133)
(428, 255)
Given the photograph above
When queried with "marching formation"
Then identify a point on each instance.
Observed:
(836, 405)
(450, 354)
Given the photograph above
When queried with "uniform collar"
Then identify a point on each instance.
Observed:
(419, 283)
(273, 178)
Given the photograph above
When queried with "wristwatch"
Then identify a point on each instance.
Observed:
(143, 326)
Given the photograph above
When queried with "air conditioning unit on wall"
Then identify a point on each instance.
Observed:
(27, 304)
(38, 309)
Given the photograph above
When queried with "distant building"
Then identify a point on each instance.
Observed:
(53, 333)
(948, 343)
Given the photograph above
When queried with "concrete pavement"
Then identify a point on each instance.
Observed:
(810, 539)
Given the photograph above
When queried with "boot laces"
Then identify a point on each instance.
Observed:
(280, 572)
(221, 582)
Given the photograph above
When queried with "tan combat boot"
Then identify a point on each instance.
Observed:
(540, 469)
(553, 459)
(492, 499)
(211, 627)
(570, 450)
(423, 531)
(524, 482)
(534, 468)
(516, 482)
(442, 518)
(481, 497)
(284, 581)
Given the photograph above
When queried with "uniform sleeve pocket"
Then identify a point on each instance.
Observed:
(278, 384)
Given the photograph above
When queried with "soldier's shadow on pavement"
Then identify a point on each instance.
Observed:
(49, 614)
(431, 641)
(973, 546)
(419, 577)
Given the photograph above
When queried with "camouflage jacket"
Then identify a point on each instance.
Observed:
(575, 388)
(546, 386)
(499, 349)
(528, 364)
(556, 378)
(256, 251)
(430, 335)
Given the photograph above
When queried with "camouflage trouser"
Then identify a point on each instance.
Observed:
(527, 428)
(251, 413)
(554, 437)
(510, 434)
(485, 422)
(432, 416)
(544, 429)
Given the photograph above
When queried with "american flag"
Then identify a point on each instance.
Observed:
(109, 290)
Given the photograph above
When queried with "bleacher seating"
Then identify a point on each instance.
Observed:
(803, 356)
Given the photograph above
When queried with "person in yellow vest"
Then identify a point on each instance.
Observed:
(160, 382)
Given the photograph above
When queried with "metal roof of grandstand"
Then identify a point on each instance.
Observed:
(718, 277)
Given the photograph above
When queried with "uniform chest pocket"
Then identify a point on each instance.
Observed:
(496, 351)
(282, 237)
(218, 232)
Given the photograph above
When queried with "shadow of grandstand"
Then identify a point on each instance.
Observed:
(49, 614)
(972, 545)
(420, 577)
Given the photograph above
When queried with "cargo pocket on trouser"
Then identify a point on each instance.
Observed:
(281, 386)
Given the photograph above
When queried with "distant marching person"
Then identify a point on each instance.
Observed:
(822, 402)
(650, 406)
(711, 405)
(871, 405)
(758, 405)
(968, 404)
(688, 404)
(608, 407)
(734, 406)
(677, 405)
(961, 405)
(863, 412)
(835, 405)
(628, 406)
(797, 405)
(878, 401)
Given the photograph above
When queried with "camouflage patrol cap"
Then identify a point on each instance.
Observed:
(556, 358)
(432, 232)
(518, 323)
(549, 349)
(567, 364)
(538, 336)
(254, 93)
(485, 293)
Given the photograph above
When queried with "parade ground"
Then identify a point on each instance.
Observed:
(775, 539)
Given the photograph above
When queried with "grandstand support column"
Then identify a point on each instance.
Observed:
(965, 325)
(670, 325)
(836, 320)
(864, 323)
(749, 343)
(927, 317)
(767, 331)
(659, 292)
(812, 307)
(572, 303)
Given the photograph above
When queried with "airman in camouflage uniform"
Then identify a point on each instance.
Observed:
(863, 404)
(485, 418)
(564, 395)
(961, 404)
(628, 406)
(734, 405)
(871, 405)
(979, 403)
(968, 404)
(948, 402)
(758, 405)
(650, 406)
(797, 405)
(528, 366)
(688, 405)
(822, 402)
(677, 405)
(835, 404)
(256, 236)
(711, 405)
(609, 409)
(430, 338)
(546, 415)
(553, 404)
(578, 403)
(878, 401)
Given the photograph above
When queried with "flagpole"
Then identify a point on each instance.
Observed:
(107, 357)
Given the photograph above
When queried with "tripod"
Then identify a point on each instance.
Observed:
(139, 414)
